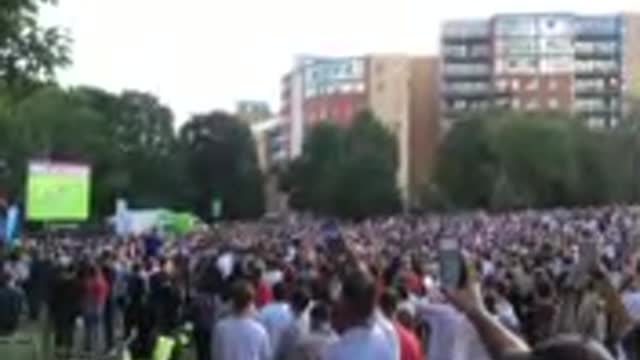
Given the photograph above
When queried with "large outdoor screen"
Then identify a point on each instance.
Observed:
(58, 191)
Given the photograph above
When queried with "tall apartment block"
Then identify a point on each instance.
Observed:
(401, 90)
(588, 65)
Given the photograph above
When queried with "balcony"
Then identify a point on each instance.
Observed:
(595, 51)
(466, 58)
(466, 31)
(598, 27)
(597, 91)
(473, 71)
(476, 94)
(597, 72)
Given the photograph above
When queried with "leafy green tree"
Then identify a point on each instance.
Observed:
(467, 164)
(313, 176)
(348, 172)
(520, 160)
(29, 52)
(367, 178)
(58, 125)
(143, 165)
(220, 161)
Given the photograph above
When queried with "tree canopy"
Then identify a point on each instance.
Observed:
(347, 172)
(515, 160)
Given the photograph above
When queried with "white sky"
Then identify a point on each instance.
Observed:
(200, 55)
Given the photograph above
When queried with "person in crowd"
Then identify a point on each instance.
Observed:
(37, 283)
(297, 328)
(264, 292)
(410, 348)
(11, 305)
(313, 344)
(165, 298)
(240, 336)
(109, 272)
(136, 300)
(203, 316)
(95, 292)
(277, 316)
(64, 307)
(361, 335)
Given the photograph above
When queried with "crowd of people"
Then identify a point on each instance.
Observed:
(555, 284)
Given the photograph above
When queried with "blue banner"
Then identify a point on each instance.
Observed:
(12, 226)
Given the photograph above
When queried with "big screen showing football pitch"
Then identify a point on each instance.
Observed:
(58, 191)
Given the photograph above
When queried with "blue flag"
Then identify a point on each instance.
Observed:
(12, 226)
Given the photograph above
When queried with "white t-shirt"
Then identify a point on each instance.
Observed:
(225, 264)
(276, 318)
(390, 332)
(363, 342)
(631, 302)
(453, 337)
(241, 338)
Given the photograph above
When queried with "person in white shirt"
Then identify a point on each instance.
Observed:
(312, 344)
(276, 316)
(300, 305)
(240, 336)
(452, 335)
(363, 335)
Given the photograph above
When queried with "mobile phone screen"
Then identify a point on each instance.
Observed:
(451, 270)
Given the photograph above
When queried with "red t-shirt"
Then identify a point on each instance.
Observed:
(96, 291)
(410, 348)
(264, 295)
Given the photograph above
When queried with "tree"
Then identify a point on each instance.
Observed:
(58, 125)
(143, 166)
(29, 52)
(467, 164)
(220, 159)
(367, 179)
(521, 160)
(347, 172)
(313, 176)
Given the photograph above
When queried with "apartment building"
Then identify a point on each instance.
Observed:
(336, 88)
(588, 65)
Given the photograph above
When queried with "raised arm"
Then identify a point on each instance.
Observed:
(499, 340)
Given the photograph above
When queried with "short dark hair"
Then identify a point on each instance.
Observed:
(242, 295)
(319, 314)
(279, 291)
(389, 301)
(300, 299)
(359, 293)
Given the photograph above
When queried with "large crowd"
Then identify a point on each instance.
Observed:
(307, 288)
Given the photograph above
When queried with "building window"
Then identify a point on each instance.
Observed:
(533, 85)
(553, 104)
(348, 69)
(553, 85)
(380, 86)
(515, 84)
(379, 68)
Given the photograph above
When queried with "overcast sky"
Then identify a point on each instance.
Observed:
(199, 55)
